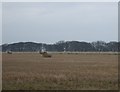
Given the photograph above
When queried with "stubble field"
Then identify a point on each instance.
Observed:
(64, 71)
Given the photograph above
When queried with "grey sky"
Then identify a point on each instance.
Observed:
(52, 22)
(60, 0)
(0, 23)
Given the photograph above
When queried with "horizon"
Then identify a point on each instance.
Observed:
(57, 42)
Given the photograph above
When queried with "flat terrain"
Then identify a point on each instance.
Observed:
(64, 71)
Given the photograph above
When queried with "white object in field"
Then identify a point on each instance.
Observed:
(64, 49)
(43, 48)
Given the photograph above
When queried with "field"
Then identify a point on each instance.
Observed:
(64, 71)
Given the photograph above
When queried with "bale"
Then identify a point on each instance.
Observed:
(45, 54)
(9, 52)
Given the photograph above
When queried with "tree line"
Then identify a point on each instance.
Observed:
(72, 46)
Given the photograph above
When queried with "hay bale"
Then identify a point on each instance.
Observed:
(9, 52)
(45, 54)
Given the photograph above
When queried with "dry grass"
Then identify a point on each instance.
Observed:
(30, 71)
(0, 71)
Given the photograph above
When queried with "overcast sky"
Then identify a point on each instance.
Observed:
(52, 22)
(0, 23)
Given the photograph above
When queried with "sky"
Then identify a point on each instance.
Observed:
(0, 23)
(60, 0)
(119, 21)
(50, 22)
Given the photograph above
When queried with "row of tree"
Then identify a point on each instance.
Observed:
(61, 46)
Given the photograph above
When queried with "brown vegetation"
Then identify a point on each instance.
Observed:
(30, 71)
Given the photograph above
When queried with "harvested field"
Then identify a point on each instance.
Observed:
(72, 71)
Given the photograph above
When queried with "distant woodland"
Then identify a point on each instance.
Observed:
(72, 46)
